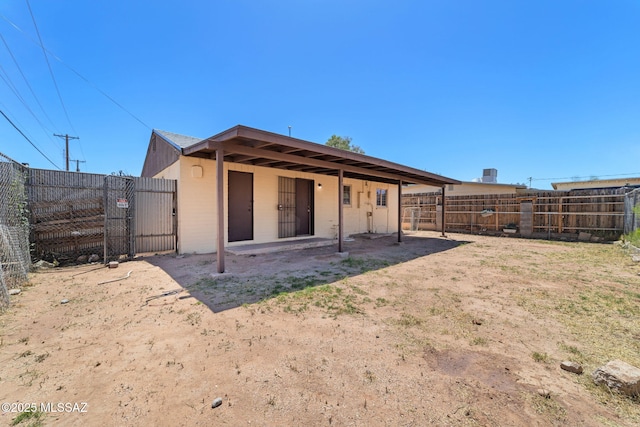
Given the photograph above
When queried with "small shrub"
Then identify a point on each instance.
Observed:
(29, 415)
(540, 357)
(479, 341)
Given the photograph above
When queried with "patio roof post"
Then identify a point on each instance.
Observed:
(340, 207)
(442, 211)
(400, 211)
(220, 207)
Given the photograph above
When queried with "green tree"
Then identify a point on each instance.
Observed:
(343, 143)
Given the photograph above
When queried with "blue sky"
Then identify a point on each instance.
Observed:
(542, 89)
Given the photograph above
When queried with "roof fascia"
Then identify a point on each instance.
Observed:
(290, 158)
(239, 131)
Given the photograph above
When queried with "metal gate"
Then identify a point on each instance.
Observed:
(155, 215)
(119, 217)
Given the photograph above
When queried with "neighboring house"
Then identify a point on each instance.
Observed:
(270, 187)
(467, 188)
(488, 184)
(596, 183)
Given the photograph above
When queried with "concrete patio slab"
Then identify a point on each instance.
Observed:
(265, 248)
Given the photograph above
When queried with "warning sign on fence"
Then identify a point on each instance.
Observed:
(122, 203)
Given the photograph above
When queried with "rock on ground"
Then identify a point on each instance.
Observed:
(574, 367)
(620, 376)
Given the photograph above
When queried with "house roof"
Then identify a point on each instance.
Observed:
(492, 184)
(177, 140)
(250, 146)
(599, 183)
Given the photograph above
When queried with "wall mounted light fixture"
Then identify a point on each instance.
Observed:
(319, 185)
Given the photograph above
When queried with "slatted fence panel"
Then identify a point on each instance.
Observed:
(67, 215)
(156, 215)
(556, 214)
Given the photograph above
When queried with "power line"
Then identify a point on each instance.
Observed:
(25, 137)
(20, 125)
(44, 51)
(15, 91)
(15, 61)
(16, 121)
(76, 72)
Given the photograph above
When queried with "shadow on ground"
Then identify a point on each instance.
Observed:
(253, 278)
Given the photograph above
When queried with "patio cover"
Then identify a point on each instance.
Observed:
(256, 147)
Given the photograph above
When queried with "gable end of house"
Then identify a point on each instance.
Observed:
(161, 153)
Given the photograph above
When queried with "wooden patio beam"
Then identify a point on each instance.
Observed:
(274, 155)
(442, 211)
(400, 211)
(220, 207)
(241, 159)
(340, 208)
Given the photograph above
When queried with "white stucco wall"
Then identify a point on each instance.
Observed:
(197, 213)
(196, 204)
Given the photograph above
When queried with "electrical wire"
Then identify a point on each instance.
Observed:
(16, 92)
(55, 83)
(25, 137)
(15, 61)
(54, 56)
(20, 125)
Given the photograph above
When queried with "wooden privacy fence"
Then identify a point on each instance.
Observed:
(75, 215)
(597, 214)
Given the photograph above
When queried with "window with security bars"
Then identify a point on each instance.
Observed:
(381, 197)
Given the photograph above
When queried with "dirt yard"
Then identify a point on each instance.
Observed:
(456, 331)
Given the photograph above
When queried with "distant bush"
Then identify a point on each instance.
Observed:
(633, 238)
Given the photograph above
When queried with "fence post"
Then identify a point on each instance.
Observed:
(106, 219)
(131, 216)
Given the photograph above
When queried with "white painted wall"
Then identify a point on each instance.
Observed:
(197, 214)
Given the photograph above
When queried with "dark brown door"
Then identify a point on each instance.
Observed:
(304, 207)
(240, 218)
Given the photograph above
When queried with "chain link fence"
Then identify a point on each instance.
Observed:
(15, 260)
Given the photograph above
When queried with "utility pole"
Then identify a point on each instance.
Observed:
(66, 151)
(78, 163)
